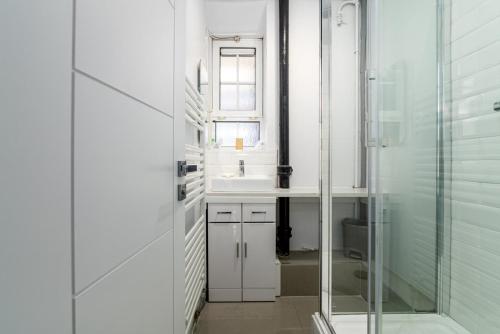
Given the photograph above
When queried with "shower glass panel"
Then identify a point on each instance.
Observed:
(432, 143)
(326, 199)
(344, 266)
(407, 173)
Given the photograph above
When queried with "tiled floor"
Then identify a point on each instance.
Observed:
(288, 315)
(350, 287)
(300, 273)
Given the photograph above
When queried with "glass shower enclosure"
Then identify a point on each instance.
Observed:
(426, 203)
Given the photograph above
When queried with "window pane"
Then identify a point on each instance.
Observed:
(237, 51)
(227, 132)
(228, 65)
(247, 69)
(228, 97)
(247, 97)
(250, 132)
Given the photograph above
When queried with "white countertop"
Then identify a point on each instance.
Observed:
(298, 192)
(276, 192)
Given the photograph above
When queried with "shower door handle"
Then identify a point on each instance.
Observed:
(370, 91)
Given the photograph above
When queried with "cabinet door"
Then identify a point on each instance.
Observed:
(224, 261)
(259, 261)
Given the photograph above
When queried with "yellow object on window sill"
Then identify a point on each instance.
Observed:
(238, 144)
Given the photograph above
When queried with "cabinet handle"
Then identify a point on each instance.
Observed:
(223, 212)
(246, 250)
(237, 250)
(258, 212)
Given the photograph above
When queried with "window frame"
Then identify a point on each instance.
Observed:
(216, 60)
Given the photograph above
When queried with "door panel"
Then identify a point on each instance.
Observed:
(259, 255)
(135, 298)
(123, 178)
(130, 46)
(224, 255)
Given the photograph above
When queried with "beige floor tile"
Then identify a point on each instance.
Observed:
(242, 326)
(248, 318)
(222, 311)
(295, 331)
(306, 307)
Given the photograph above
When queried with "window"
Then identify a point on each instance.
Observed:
(227, 132)
(237, 74)
(237, 79)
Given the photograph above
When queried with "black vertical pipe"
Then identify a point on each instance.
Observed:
(284, 155)
(284, 229)
(284, 168)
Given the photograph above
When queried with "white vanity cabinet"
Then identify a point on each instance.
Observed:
(224, 261)
(241, 252)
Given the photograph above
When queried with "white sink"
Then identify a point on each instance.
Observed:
(244, 183)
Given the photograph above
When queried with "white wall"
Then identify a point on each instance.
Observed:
(475, 210)
(271, 76)
(304, 218)
(344, 96)
(196, 37)
(304, 92)
(35, 155)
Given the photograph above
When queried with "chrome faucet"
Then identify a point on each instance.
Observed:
(242, 168)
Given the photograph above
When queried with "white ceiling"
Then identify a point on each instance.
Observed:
(236, 16)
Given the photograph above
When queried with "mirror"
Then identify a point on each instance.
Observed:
(202, 78)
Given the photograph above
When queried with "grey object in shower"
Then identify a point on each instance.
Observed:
(355, 235)
(496, 106)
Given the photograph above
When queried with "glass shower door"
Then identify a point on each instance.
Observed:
(408, 153)
(433, 99)
(408, 163)
(344, 269)
(326, 198)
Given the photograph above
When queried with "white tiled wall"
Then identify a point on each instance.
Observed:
(475, 247)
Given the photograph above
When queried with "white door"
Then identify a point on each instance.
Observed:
(259, 256)
(128, 224)
(224, 261)
(93, 236)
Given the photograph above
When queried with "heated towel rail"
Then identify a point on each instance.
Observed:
(195, 238)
